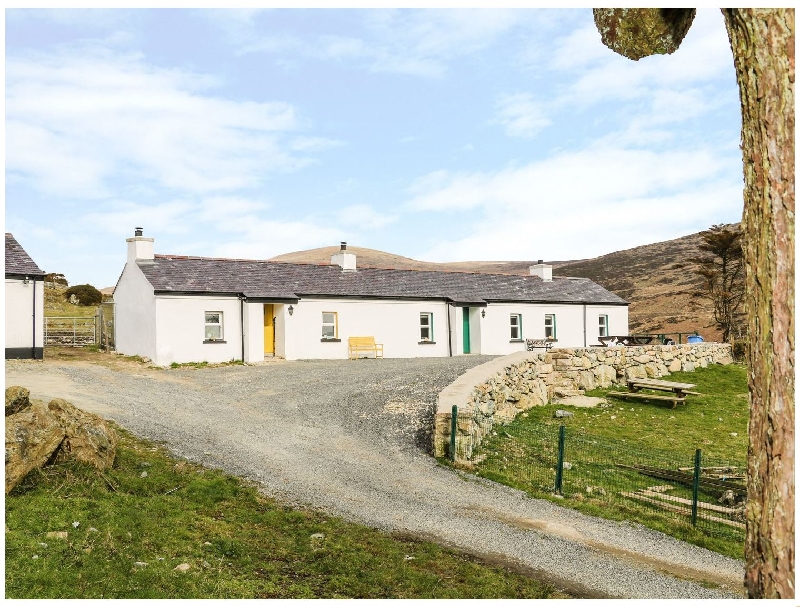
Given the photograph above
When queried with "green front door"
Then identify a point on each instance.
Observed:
(466, 330)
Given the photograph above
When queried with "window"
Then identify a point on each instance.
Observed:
(330, 325)
(603, 326)
(549, 326)
(516, 326)
(213, 326)
(426, 326)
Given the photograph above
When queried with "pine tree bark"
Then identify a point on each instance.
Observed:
(762, 41)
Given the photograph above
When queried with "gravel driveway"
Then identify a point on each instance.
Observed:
(353, 438)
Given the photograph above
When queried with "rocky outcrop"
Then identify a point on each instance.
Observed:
(16, 399)
(87, 437)
(540, 378)
(57, 431)
(32, 436)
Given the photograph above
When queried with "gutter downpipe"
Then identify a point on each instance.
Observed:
(449, 334)
(584, 325)
(33, 343)
(241, 318)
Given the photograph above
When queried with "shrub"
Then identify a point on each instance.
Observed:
(57, 279)
(85, 295)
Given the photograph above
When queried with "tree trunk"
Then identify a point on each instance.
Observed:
(762, 41)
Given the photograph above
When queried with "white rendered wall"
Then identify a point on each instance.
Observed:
(395, 324)
(253, 332)
(281, 314)
(20, 313)
(496, 326)
(180, 327)
(134, 314)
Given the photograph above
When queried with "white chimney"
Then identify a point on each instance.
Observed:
(543, 271)
(344, 259)
(139, 247)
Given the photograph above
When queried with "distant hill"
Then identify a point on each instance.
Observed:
(657, 279)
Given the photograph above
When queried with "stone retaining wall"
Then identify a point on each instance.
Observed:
(502, 388)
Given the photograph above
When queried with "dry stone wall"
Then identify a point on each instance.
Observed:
(530, 379)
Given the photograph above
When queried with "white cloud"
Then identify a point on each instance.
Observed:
(597, 174)
(412, 42)
(265, 239)
(118, 117)
(364, 217)
(579, 204)
(121, 216)
(521, 115)
(555, 231)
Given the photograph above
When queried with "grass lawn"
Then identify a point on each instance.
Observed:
(125, 531)
(523, 454)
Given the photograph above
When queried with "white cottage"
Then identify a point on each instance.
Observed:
(24, 303)
(184, 309)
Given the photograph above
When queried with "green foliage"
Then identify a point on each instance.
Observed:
(86, 295)
(722, 271)
(151, 512)
(58, 279)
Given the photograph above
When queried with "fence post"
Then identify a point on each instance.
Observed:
(453, 430)
(696, 484)
(560, 464)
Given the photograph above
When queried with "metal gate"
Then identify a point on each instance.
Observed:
(73, 331)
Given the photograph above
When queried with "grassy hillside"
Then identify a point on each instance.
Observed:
(56, 304)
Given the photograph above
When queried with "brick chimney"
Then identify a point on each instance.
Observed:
(345, 259)
(139, 247)
(543, 271)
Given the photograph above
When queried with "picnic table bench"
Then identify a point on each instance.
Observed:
(366, 343)
(539, 343)
(678, 390)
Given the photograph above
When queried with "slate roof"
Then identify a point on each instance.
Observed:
(18, 262)
(278, 281)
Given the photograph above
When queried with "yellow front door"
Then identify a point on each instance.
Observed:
(269, 329)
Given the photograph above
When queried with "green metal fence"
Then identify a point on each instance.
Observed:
(660, 489)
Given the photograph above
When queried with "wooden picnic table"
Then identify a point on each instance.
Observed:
(637, 383)
(679, 390)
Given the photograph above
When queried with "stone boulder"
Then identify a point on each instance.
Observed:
(87, 438)
(17, 399)
(55, 431)
(32, 436)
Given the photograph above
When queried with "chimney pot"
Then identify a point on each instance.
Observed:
(540, 261)
(344, 246)
(137, 232)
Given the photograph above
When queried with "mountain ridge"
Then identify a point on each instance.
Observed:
(659, 280)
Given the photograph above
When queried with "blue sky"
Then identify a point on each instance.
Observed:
(442, 135)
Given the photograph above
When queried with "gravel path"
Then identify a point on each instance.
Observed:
(353, 438)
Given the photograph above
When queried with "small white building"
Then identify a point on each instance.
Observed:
(24, 303)
(188, 309)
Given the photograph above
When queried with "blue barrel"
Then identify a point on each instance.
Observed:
(694, 339)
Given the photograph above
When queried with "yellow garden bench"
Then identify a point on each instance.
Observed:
(356, 345)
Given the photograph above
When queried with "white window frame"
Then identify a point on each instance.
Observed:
(602, 325)
(428, 316)
(210, 325)
(334, 324)
(515, 326)
(550, 325)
